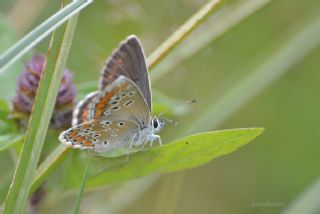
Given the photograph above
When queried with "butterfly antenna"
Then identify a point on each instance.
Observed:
(174, 107)
(170, 121)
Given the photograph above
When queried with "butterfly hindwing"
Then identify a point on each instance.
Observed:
(100, 136)
(81, 112)
(128, 60)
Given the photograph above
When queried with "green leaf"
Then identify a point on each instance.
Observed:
(188, 152)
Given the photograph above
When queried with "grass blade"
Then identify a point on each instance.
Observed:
(40, 119)
(183, 32)
(39, 33)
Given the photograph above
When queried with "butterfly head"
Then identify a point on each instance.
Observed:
(157, 124)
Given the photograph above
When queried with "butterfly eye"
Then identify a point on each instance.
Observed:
(155, 124)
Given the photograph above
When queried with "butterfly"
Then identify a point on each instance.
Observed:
(119, 113)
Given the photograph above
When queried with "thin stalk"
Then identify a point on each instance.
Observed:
(40, 118)
(178, 36)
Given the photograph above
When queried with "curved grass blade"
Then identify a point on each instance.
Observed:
(40, 119)
(40, 32)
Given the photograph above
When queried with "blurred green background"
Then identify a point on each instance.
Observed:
(274, 169)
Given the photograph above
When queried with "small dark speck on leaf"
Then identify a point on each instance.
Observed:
(187, 142)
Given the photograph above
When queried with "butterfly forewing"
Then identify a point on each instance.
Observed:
(122, 97)
(122, 100)
(128, 60)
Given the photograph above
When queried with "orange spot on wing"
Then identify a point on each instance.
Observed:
(87, 143)
(84, 114)
(73, 133)
(80, 139)
(85, 126)
(100, 107)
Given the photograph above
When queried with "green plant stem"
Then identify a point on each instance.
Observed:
(40, 118)
(40, 32)
(179, 35)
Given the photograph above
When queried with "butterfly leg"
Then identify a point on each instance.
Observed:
(159, 139)
(130, 146)
(143, 145)
(153, 138)
(151, 142)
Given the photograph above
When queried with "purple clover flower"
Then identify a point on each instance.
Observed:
(28, 83)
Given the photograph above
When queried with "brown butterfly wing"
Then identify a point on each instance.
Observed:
(128, 60)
